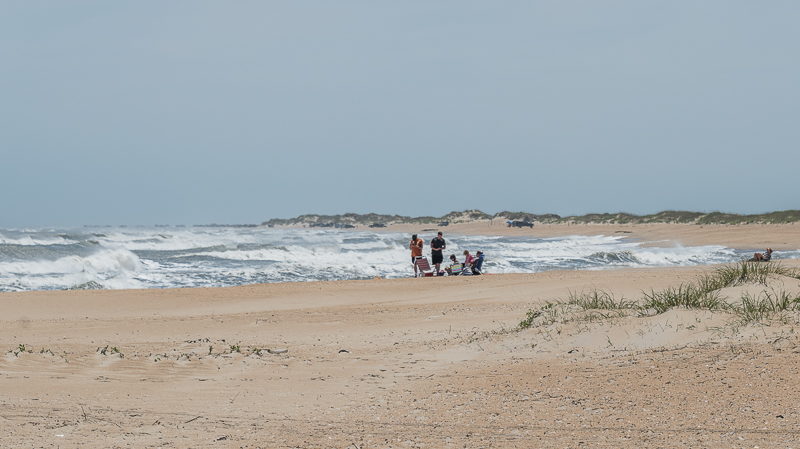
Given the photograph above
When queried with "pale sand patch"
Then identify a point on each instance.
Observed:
(751, 236)
(390, 363)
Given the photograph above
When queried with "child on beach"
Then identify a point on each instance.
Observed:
(468, 259)
(455, 268)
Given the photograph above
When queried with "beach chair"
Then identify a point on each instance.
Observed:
(455, 269)
(424, 267)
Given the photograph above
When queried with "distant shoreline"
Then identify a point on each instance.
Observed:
(350, 220)
(664, 235)
(778, 230)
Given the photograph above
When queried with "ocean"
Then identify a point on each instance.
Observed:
(164, 257)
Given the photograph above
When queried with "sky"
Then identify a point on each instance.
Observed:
(196, 112)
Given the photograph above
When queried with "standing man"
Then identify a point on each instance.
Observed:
(416, 251)
(437, 246)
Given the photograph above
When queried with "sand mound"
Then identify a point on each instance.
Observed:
(774, 287)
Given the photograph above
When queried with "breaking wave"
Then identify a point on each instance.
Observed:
(119, 257)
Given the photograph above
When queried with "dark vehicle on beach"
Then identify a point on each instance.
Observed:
(377, 225)
(321, 225)
(343, 226)
(444, 223)
(520, 224)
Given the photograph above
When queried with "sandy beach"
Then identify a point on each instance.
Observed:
(407, 363)
(752, 236)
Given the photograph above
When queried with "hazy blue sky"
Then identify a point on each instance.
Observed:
(144, 112)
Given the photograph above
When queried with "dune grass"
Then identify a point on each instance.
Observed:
(751, 272)
(689, 296)
(600, 300)
(702, 294)
(767, 306)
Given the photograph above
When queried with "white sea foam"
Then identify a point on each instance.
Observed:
(183, 257)
(29, 240)
(110, 268)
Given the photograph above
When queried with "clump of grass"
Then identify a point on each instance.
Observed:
(599, 300)
(21, 349)
(711, 282)
(766, 305)
(689, 296)
(110, 351)
(592, 300)
(745, 272)
(532, 315)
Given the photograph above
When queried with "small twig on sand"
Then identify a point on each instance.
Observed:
(196, 417)
(108, 421)
(235, 396)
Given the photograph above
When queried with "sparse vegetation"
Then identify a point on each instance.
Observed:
(20, 349)
(669, 216)
(755, 272)
(703, 294)
(600, 300)
(689, 296)
(766, 305)
(533, 314)
(110, 351)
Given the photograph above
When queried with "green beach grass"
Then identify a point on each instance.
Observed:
(702, 294)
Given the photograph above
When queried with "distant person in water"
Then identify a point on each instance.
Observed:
(437, 246)
(416, 251)
(766, 256)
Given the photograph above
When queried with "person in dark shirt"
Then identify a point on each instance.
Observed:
(437, 246)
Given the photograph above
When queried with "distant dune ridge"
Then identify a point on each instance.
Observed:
(669, 216)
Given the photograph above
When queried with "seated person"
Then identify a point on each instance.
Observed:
(468, 259)
(455, 268)
(477, 264)
(765, 257)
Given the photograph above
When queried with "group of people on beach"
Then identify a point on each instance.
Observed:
(471, 265)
